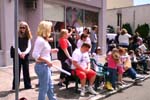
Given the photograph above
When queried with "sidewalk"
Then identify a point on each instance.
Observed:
(61, 93)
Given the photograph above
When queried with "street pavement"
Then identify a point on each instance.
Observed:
(61, 92)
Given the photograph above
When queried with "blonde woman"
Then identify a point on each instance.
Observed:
(41, 53)
(124, 38)
(64, 53)
(24, 47)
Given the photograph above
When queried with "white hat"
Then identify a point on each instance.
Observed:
(99, 47)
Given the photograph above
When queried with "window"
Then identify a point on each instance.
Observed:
(54, 13)
(91, 18)
(80, 18)
(74, 17)
(49, 12)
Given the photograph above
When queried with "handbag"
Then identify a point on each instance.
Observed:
(12, 52)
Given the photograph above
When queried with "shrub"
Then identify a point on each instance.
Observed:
(110, 29)
(127, 26)
(143, 30)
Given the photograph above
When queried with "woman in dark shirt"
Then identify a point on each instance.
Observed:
(24, 47)
(64, 53)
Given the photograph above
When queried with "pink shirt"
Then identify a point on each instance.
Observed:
(111, 62)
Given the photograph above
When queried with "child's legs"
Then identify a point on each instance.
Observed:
(112, 76)
(134, 65)
(120, 73)
(132, 73)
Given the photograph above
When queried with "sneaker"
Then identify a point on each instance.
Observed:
(145, 72)
(92, 91)
(82, 93)
(60, 84)
(139, 76)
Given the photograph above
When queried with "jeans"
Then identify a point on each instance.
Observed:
(131, 73)
(46, 86)
(93, 47)
(112, 78)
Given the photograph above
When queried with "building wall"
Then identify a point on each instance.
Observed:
(133, 15)
(31, 16)
(142, 14)
(34, 16)
(119, 3)
(7, 30)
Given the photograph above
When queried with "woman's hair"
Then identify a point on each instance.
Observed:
(116, 55)
(131, 52)
(123, 31)
(94, 27)
(63, 31)
(122, 50)
(83, 36)
(44, 29)
(69, 29)
(27, 29)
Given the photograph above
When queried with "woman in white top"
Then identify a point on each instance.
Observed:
(41, 53)
(124, 38)
(24, 47)
(83, 39)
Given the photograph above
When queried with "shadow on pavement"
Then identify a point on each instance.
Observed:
(5, 93)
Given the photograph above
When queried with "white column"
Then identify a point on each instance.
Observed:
(102, 27)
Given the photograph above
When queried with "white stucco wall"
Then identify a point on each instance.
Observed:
(142, 14)
(134, 15)
(111, 16)
(119, 3)
(127, 16)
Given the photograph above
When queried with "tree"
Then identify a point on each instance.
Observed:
(143, 30)
(127, 26)
(110, 29)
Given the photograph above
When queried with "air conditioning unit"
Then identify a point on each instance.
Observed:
(30, 4)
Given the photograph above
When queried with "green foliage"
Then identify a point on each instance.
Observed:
(143, 30)
(127, 26)
(110, 29)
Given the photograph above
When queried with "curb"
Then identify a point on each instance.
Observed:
(107, 94)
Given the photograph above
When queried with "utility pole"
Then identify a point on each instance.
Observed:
(16, 50)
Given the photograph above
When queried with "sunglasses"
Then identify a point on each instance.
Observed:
(22, 28)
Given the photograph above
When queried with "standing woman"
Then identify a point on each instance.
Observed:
(64, 53)
(24, 47)
(41, 53)
(124, 38)
(93, 37)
